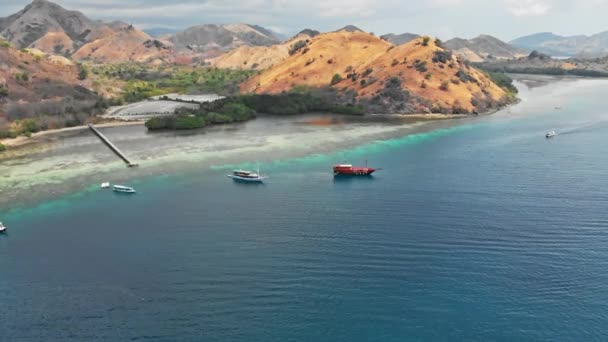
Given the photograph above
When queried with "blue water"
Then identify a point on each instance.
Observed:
(485, 231)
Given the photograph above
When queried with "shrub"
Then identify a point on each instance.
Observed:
(363, 83)
(393, 82)
(157, 123)
(442, 56)
(420, 65)
(503, 81)
(425, 40)
(22, 76)
(218, 118)
(2, 147)
(464, 76)
(445, 85)
(237, 110)
(395, 62)
(367, 72)
(189, 122)
(428, 76)
(296, 47)
(3, 91)
(83, 73)
(371, 81)
(5, 44)
(438, 42)
(423, 85)
(336, 79)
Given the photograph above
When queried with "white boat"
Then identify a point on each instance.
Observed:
(2, 228)
(105, 185)
(247, 176)
(123, 189)
(550, 134)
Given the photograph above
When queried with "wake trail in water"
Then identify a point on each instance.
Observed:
(585, 128)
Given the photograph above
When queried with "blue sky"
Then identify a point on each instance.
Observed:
(506, 19)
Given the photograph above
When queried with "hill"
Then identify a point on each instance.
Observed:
(262, 57)
(49, 27)
(574, 46)
(349, 28)
(222, 38)
(483, 47)
(415, 77)
(399, 39)
(36, 85)
(45, 21)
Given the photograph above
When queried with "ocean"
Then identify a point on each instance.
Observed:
(476, 230)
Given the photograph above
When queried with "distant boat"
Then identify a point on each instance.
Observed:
(123, 189)
(550, 134)
(105, 185)
(247, 176)
(349, 170)
(2, 228)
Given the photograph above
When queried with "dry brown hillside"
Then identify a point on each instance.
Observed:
(316, 63)
(126, 44)
(258, 57)
(33, 85)
(415, 77)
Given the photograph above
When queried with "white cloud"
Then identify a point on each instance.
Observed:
(523, 8)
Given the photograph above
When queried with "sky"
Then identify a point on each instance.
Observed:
(505, 19)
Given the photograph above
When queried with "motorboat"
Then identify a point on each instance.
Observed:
(105, 185)
(247, 176)
(2, 228)
(550, 134)
(123, 189)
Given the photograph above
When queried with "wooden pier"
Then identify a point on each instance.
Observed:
(112, 146)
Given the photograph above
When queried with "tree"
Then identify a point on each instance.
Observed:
(425, 40)
(336, 79)
(83, 73)
(297, 46)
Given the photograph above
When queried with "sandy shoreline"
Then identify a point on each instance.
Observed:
(38, 137)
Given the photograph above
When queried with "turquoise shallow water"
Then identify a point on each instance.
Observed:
(481, 231)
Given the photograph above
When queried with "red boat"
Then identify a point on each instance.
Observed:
(349, 170)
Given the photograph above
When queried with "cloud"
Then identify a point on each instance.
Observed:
(525, 8)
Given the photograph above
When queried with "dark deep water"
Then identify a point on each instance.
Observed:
(485, 231)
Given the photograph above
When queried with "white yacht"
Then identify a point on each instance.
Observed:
(123, 189)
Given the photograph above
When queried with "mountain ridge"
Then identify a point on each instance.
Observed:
(483, 47)
(593, 46)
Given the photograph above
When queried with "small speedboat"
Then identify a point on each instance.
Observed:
(247, 176)
(105, 185)
(550, 134)
(123, 189)
(2, 228)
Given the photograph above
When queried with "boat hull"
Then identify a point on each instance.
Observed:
(247, 179)
(353, 171)
(123, 189)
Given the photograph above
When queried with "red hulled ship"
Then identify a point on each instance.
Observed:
(349, 170)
